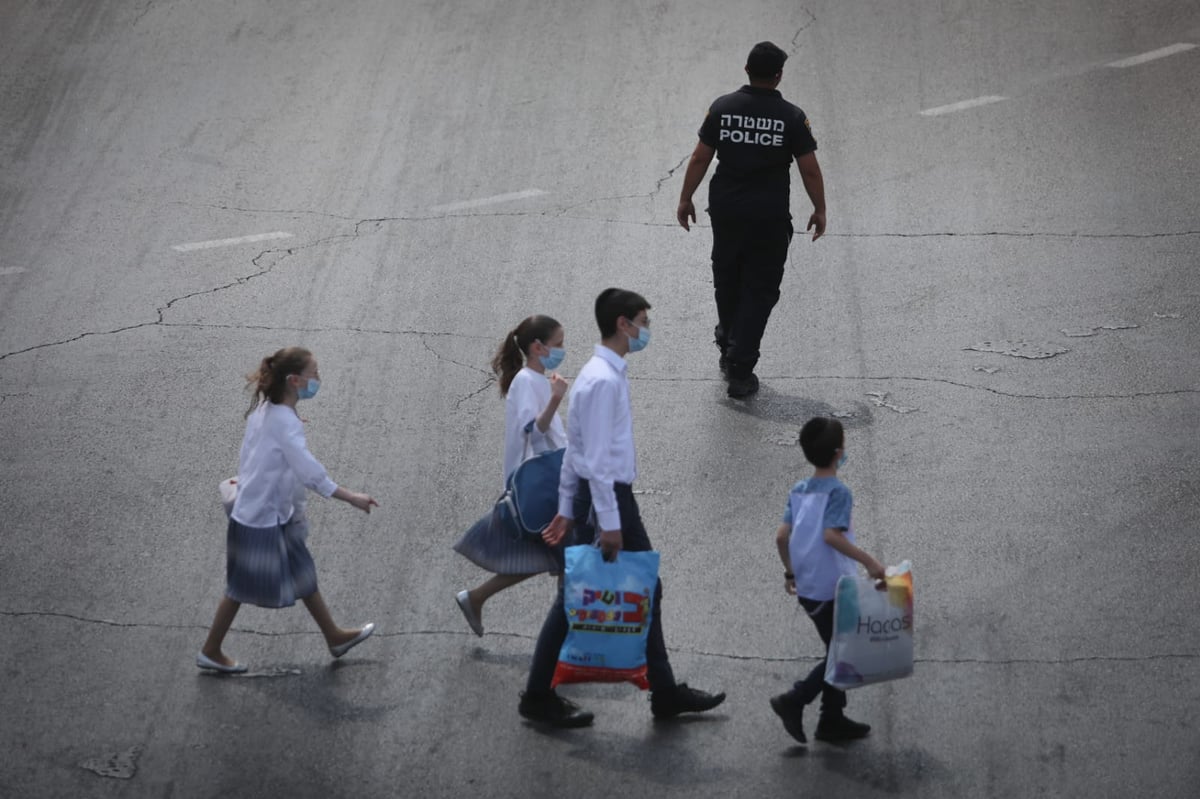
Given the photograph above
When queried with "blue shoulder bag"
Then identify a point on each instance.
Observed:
(530, 499)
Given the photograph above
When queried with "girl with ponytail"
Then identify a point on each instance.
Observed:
(267, 561)
(524, 365)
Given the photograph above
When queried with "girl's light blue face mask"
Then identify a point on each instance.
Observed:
(643, 338)
(309, 389)
(552, 361)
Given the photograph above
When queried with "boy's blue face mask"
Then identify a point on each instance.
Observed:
(643, 338)
(842, 460)
(552, 361)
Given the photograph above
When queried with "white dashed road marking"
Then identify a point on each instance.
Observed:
(1132, 61)
(499, 198)
(1153, 55)
(208, 245)
(974, 102)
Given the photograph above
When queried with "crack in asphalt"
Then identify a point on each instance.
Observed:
(1016, 234)
(561, 213)
(945, 381)
(1159, 656)
(443, 358)
(279, 211)
(812, 20)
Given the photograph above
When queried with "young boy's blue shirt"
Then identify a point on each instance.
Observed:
(815, 505)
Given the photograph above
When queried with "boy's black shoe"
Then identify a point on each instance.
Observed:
(743, 386)
(550, 708)
(834, 729)
(681, 699)
(792, 714)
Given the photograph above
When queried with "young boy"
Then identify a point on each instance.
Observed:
(597, 477)
(816, 545)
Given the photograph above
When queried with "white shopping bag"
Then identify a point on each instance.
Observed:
(872, 630)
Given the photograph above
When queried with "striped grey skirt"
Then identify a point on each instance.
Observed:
(269, 566)
(489, 546)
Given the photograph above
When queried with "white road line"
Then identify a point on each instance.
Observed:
(975, 102)
(11, 270)
(208, 245)
(499, 198)
(1162, 52)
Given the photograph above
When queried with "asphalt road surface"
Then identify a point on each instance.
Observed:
(1005, 313)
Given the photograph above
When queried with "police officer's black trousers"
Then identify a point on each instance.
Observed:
(748, 257)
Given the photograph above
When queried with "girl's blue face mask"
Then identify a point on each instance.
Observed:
(554, 359)
(309, 389)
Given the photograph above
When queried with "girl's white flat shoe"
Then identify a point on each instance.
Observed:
(205, 662)
(363, 634)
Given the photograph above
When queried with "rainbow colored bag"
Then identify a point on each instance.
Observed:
(608, 616)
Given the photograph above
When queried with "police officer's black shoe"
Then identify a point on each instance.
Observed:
(550, 708)
(834, 729)
(741, 387)
(670, 702)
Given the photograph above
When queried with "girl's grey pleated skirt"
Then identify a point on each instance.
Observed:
(489, 546)
(269, 566)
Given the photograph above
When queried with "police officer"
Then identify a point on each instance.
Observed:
(756, 135)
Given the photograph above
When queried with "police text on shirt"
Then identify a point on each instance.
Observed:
(740, 129)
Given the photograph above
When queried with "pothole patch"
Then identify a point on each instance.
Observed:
(1019, 349)
(117, 765)
(880, 399)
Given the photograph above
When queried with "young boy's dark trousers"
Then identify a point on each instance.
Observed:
(554, 629)
(833, 700)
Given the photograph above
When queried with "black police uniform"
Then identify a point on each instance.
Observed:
(757, 135)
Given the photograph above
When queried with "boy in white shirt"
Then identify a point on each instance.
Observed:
(597, 477)
(816, 545)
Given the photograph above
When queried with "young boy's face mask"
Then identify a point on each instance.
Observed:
(643, 338)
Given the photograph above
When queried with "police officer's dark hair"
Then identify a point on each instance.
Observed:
(514, 350)
(821, 438)
(612, 304)
(765, 61)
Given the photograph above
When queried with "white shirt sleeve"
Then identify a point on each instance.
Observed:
(527, 398)
(597, 430)
(308, 469)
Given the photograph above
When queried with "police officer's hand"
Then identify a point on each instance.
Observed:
(685, 211)
(817, 220)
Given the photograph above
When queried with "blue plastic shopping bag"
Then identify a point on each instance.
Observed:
(872, 630)
(608, 616)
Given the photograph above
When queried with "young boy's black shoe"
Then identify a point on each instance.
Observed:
(742, 386)
(682, 699)
(834, 729)
(792, 714)
(550, 708)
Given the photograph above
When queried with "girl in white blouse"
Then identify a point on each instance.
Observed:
(267, 561)
(532, 390)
